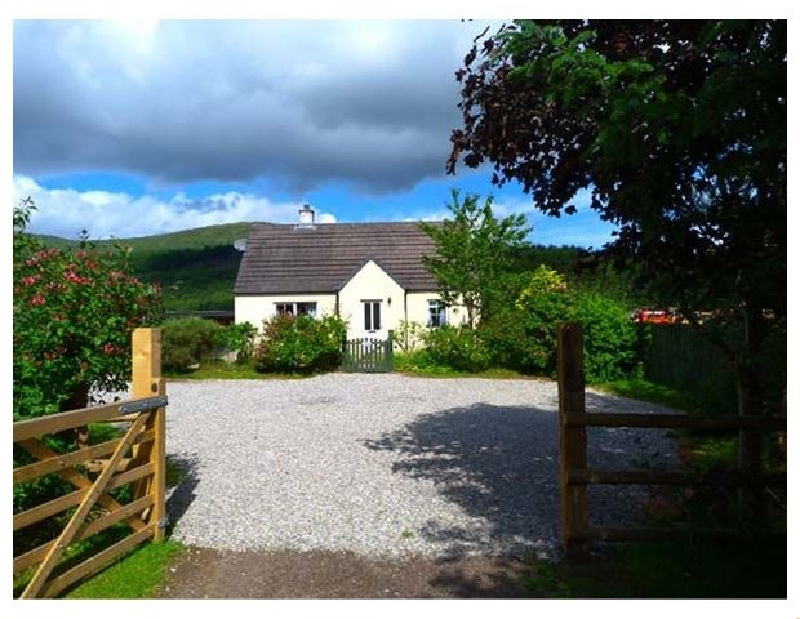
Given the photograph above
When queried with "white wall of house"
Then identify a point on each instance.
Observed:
(417, 304)
(255, 309)
(371, 283)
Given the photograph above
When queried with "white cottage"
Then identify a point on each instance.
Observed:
(370, 274)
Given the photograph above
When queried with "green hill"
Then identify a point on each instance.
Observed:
(197, 268)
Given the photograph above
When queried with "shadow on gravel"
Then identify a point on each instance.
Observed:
(500, 465)
(181, 483)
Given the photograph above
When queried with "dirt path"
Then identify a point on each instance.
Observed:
(205, 573)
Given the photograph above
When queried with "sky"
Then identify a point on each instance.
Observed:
(135, 127)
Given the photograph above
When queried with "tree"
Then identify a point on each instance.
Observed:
(678, 128)
(475, 255)
(74, 312)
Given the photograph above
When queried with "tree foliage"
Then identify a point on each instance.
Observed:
(74, 312)
(475, 254)
(678, 128)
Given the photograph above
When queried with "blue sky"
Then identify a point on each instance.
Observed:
(130, 128)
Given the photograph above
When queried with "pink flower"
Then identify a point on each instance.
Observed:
(29, 281)
(37, 300)
(30, 262)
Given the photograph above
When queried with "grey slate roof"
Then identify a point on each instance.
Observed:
(281, 258)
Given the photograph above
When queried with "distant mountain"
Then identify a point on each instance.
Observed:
(197, 268)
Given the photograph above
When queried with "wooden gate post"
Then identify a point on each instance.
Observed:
(390, 351)
(572, 401)
(147, 382)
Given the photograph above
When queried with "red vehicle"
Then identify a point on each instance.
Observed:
(657, 316)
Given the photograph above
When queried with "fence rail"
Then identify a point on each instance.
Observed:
(137, 457)
(369, 355)
(575, 475)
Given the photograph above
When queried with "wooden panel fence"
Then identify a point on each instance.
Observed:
(369, 355)
(575, 475)
(137, 457)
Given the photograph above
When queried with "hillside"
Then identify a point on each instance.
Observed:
(197, 268)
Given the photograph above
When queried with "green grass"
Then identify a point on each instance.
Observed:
(647, 391)
(222, 370)
(445, 372)
(137, 575)
(417, 364)
(749, 568)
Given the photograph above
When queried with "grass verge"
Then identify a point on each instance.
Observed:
(749, 568)
(136, 575)
(647, 391)
(226, 371)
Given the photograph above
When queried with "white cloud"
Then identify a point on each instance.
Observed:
(65, 212)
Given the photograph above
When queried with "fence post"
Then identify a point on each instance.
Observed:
(572, 401)
(390, 351)
(147, 382)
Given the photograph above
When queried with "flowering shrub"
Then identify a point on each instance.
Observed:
(300, 345)
(74, 312)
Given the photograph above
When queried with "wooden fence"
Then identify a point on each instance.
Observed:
(369, 355)
(682, 357)
(137, 458)
(575, 475)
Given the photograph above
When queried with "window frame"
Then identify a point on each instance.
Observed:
(294, 307)
(370, 314)
(442, 313)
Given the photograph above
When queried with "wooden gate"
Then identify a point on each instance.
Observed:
(368, 355)
(575, 474)
(137, 457)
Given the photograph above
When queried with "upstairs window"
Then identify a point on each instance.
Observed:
(372, 315)
(436, 313)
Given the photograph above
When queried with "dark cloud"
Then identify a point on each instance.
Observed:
(372, 104)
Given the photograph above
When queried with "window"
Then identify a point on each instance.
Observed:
(372, 315)
(284, 309)
(292, 308)
(436, 313)
(307, 309)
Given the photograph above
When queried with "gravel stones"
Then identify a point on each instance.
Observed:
(387, 466)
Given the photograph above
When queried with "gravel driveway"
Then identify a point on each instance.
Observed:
(386, 465)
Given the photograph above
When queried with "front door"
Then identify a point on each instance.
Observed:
(372, 319)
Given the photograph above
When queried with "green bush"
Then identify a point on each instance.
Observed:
(524, 337)
(300, 345)
(458, 348)
(609, 337)
(187, 341)
(503, 334)
(239, 337)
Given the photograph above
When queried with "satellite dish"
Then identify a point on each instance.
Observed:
(240, 244)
